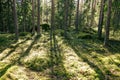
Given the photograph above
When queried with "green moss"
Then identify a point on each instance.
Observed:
(3, 67)
(37, 64)
(60, 72)
(23, 34)
(14, 73)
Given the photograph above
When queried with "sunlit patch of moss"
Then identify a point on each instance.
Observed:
(3, 67)
(4, 53)
(18, 72)
(60, 73)
(75, 66)
(14, 73)
(35, 62)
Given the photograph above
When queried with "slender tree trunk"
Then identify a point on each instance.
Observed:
(15, 19)
(8, 19)
(93, 12)
(38, 22)
(0, 11)
(33, 17)
(24, 15)
(52, 24)
(65, 17)
(77, 16)
(101, 17)
(108, 22)
(70, 13)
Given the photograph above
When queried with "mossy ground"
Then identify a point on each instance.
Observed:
(77, 58)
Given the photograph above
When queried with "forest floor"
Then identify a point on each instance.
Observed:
(75, 58)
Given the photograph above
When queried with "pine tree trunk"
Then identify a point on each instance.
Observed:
(101, 17)
(93, 7)
(15, 19)
(52, 24)
(108, 23)
(38, 22)
(77, 16)
(33, 16)
(65, 17)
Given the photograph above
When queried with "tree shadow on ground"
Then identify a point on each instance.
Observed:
(114, 46)
(5, 68)
(90, 45)
(54, 62)
(88, 49)
(6, 41)
(13, 49)
(80, 52)
(29, 48)
(58, 71)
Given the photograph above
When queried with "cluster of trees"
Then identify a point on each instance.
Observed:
(23, 15)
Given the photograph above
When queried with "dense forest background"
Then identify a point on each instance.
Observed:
(60, 39)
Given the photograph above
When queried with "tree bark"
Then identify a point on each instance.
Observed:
(108, 23)
(38, 22)
(77, 16)
(65, 17)
(33, 16)
(101, 17)
(93, 7)
(52, 25)
(15, 19)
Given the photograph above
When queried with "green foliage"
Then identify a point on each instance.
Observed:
(6, 39)
(24, 34)
(59, 32)
(37, 64)
(115, 21)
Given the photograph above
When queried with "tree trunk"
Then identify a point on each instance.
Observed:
(101, 17)
(77, 16)
(8, 19)
(15, 19)
(38, 22)
(108, 23)
(52, 24)
(92, 12)
(65, 17)
(33, 16)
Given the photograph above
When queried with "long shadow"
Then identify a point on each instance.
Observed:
(14, 48)
(3, 71)
(101, 75)
(7, 41)
(18, 61)
(58, 71)
(114, 46)
(93, 45)
(29, 48)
